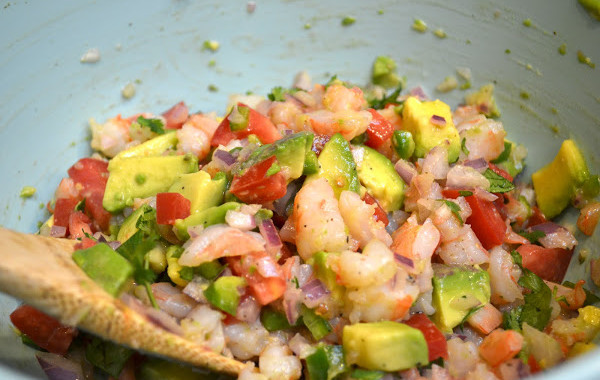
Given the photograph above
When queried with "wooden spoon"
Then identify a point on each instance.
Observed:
(39, 270)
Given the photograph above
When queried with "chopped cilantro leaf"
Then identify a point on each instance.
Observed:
(454, 208)
(505, 153)
(463, 146)
(80, 206)
(498, 184)
(391, 98)
(278, 93)
(155, 125)
(274, 169)
(533, 236)
(465, 193)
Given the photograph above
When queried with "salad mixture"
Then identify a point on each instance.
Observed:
(329, 231)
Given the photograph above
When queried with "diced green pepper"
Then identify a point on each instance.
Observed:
(273, 320)
(105, 266)
(108, 356)
(326, 362)
(404, 144)
(311, 163)
(208, 217)
(317, 325)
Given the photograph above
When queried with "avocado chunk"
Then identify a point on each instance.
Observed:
(417, 117)
(325, 273)
(337, 166)
(129, 226)
(105, 266)
(224, 293)
(555, 184)
(385, 346)
(141, 177)
(376, 172)
(202, 191)
(483, 99)
(291, 152)
(151, 148)
(456, 290)
(208, 217)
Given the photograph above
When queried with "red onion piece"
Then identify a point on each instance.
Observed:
(227, 158)
(479, 164)
(58, 367)
(556, 236)
(248, 310)
(314, 293)
(465, 177)
(547, 227)
(266, 266)
(318, 143)
(291, 304)
(280, 205)
(436, 162)
(404, 260)
(58, 231)
(438, 120)
(269, 233)
(406, 170)
(114, 244)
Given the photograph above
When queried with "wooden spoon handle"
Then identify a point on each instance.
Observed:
(40, 271)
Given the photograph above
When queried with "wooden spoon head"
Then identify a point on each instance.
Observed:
(39, 270)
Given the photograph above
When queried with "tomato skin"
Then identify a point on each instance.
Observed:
(255, 187)
(79, 225)
(436, 342)
(379, 130)
(43, 330)
(170, 207)
(500, 172)
(176, 116)
(379, 214)
(63, 209)
(550, 264)
(258, 125)
(485, 219)
(92, 175)
(264, 289)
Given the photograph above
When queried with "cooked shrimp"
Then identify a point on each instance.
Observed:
(465, 249)
(389, 301)
(111, 137)
(277, 362)
(203, 326)
(341, 98)
(422, 186)
(218, 241)
(416, 242)
(358, 216)
(284, 113)
(504, 275)
(484, 139)
(374, 266)
(319, 224)
(246, 340)
(349, 123)
(195, 135)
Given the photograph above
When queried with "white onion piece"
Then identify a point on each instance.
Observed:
(300, 346)
(240, 220)
(406, 170)
(484, 195)
(556, 236)
(172, 300)
(436, 162)
(465, 177)
(158, 317)
(195, 289)
(248, 310)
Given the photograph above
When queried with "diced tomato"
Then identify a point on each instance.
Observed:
(379, 130)
(485, 219)
(255, 186)
(91, 173)
(170, 207)
(264, 289)
(549, 263)
(176, 116)
(534, 367)
(588, 218)
(43, 330)
(500, 172)
(257, 124)
(379, 214)
(537, 217)
(79, 225)
(500, 346)
(436, 342)
(85, 243)
(63, 209)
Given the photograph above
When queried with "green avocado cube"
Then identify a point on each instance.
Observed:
(129, 226)
(384, 346)
(208, 217)
(105, 266)
(555, 184)
(456, 290)
(224, 293)
(202, 191)
(337, 166)
(376, 172)
(141, 177)
(151, 148)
